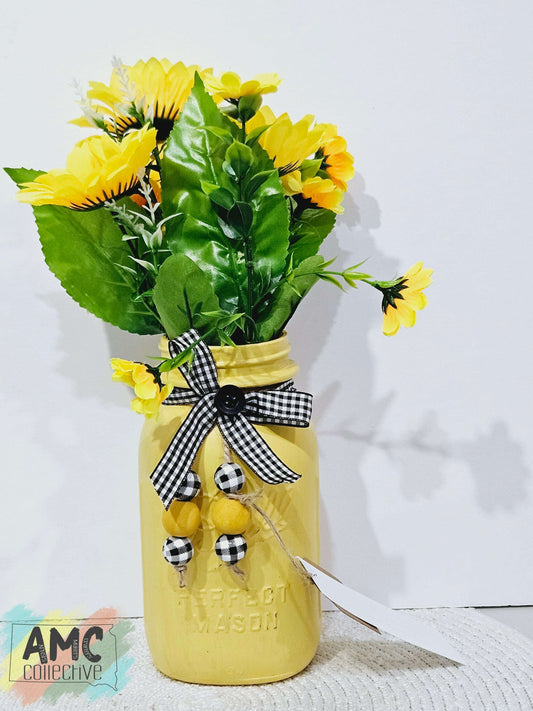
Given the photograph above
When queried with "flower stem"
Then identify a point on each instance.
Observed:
(157, 158)
(249, 326)
(249, 323)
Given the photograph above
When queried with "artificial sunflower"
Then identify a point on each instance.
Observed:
(98, 169)
(336, 160)
(149, 393)
(324, 193)
(404, 298)
(230, 86)
(153, 91)
(288, 144)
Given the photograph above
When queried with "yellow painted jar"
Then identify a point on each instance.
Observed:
(219, 629)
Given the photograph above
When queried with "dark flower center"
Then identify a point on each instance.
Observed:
(163, 127)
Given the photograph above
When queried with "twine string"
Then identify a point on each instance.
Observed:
(238, 572)
(182, 575)
(227, 452)
(250, 500)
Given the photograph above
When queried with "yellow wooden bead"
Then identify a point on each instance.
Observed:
(230, 516)
(182, 518)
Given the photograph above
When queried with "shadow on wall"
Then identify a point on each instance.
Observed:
(314, 321)
(496, 462)
(349, 382)
(90, 375)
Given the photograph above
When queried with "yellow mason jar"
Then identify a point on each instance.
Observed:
(220, 629)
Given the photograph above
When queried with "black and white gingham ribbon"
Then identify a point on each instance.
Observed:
(278, 405)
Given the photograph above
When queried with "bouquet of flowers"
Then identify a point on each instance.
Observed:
(196, 207)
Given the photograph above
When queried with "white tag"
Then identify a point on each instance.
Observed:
(378, 617)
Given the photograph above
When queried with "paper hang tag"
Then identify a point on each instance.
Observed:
(378, 617)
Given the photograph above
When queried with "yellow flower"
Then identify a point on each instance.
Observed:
(157, 89)
(288, 144)
(324, 193)
(136, 375)
(337, 162)
(149, 394)
(405, 298)
(123, 371)
(98, 169)
(263, 117)
(230, 86)
(149, 407)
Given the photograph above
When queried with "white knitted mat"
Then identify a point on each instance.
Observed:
(354, 669)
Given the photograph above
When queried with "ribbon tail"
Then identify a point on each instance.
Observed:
(181, 396)
(287, 407)
(179, 457)
(248, 444)
(201, 375)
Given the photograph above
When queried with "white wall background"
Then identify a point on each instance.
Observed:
(426, 447)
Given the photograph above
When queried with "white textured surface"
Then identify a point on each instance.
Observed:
(354, 670)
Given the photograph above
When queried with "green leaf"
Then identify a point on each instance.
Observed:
(240, 217)
(310, 168)
(239, 158)
(208, 187)
(227, 320)
(270, 229)
(222, 198)
(225, 339)
(255, 134)
(231, 233)
(308, 232)
(248, 106)
(286, 297)
(23, 175)
(193, 156)
(223, 133)
(218, 196)
(85, 250)
(255, 182)
(168, 364)
(331, 279)
(182, 294)
(230, 110)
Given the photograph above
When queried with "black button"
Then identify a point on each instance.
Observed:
(230, 400)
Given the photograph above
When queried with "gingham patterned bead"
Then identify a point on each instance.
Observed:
(178, 551)
(189, 487)
(231, 549)
(229, 478)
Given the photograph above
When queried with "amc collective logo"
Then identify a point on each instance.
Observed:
(60, 660)
(47, 656)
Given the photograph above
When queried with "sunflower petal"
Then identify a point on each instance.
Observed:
(416, 300)
(391, 322)
(406, 315)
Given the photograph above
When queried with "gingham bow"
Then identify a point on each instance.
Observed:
(278, 405)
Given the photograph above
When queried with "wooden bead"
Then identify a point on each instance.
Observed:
(230, 516)
(182, 518)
